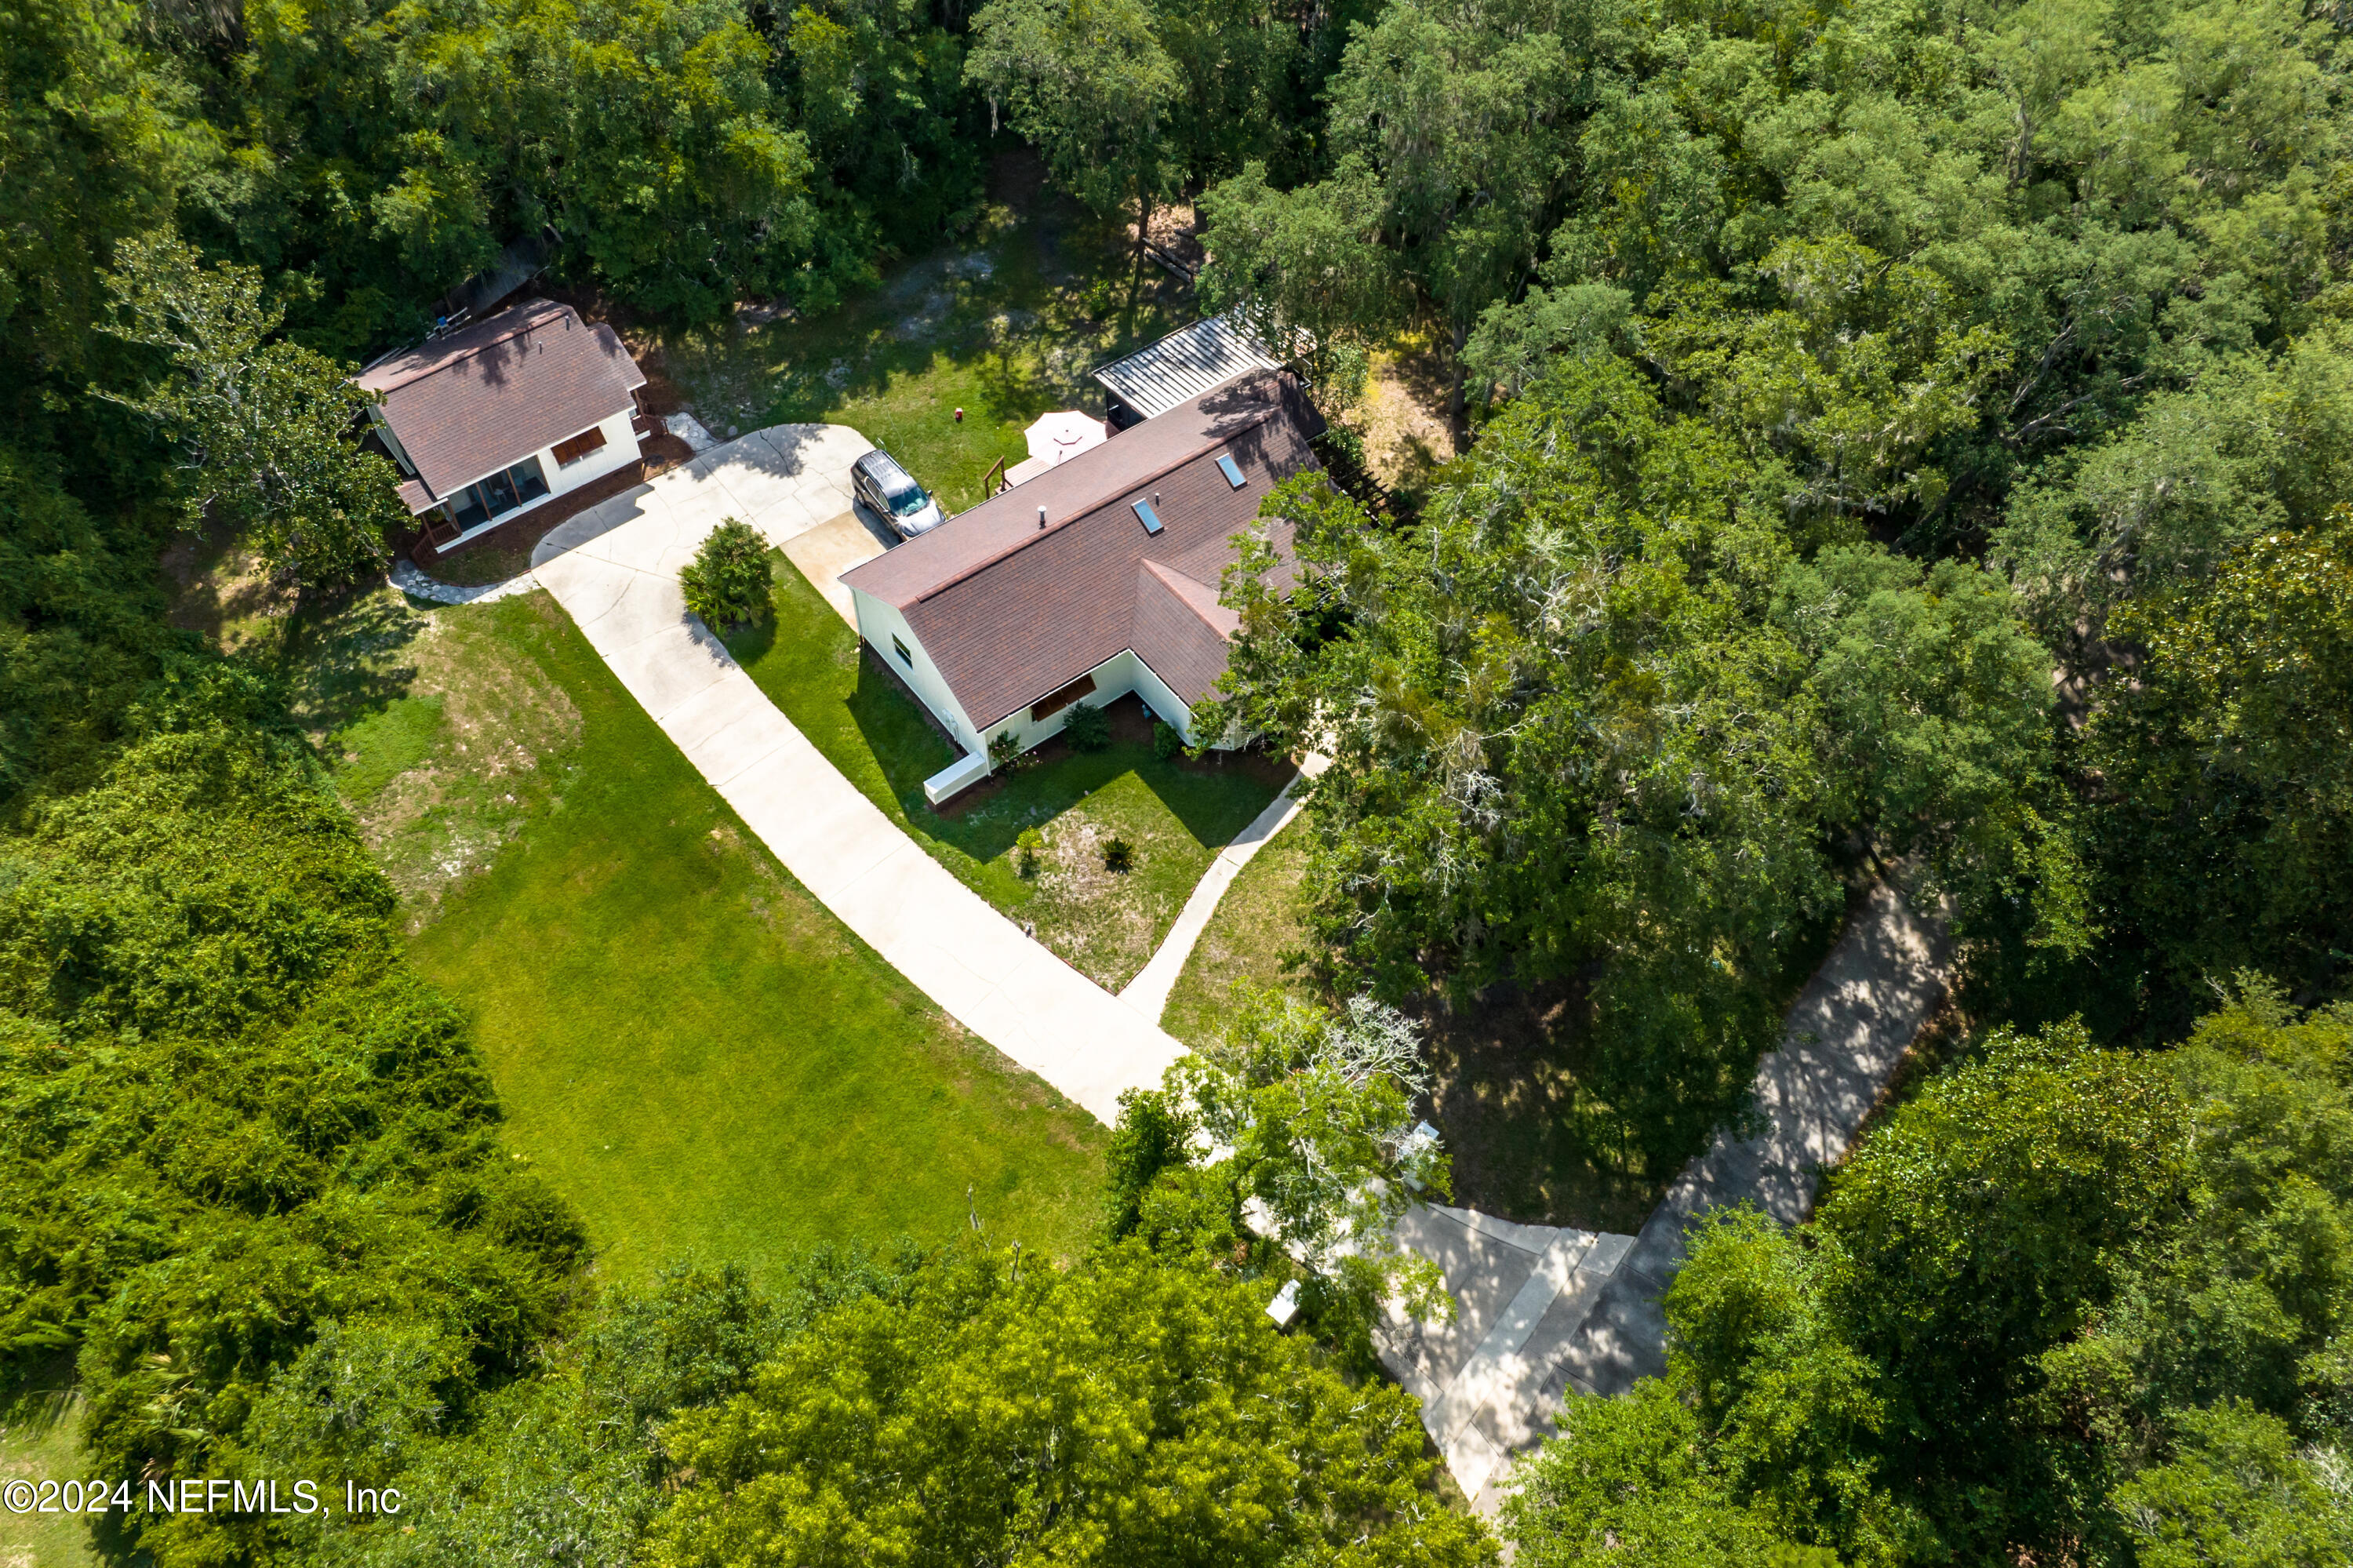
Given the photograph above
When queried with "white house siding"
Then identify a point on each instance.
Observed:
(1116, 677)
(619, 451)
(878, 623)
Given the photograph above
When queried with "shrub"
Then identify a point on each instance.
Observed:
(1165, 742)
(727, 582)
(1005, 753)
(1088, 728)
(1030, 842)
(1119, 855)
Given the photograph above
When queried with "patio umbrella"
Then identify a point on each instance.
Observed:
(1063, 434)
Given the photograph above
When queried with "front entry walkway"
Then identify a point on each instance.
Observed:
(615, 570)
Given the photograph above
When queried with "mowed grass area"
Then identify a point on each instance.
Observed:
(40, 1440)
(1258, 923)
(1175, 814)
(1004, 322)
(687, 1045)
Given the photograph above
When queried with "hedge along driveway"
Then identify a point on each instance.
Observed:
(696, 1053)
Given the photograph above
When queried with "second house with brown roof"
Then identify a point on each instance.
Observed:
(1097, 578)
(502, 417)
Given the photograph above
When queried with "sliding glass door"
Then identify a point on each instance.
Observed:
(499, 494)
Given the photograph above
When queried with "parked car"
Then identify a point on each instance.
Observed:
(893, 493)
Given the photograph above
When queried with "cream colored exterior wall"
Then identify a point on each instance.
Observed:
(878, 623)
(619, 451)
(1116, 677)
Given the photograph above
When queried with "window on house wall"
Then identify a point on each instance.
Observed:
(901, 650)
(1056, 701)
(586, 444)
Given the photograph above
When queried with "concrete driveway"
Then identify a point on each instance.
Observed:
(615, 570)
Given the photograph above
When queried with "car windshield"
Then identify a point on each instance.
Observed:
(908, 502)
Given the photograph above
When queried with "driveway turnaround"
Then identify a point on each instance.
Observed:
(615, 570)
(1542, 1313)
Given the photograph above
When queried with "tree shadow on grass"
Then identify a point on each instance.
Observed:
(1526, 1141)
(344, 659)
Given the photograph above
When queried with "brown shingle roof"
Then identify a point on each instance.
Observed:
(493, 393)
(1009, 612)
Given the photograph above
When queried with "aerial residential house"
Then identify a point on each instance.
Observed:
(1096, 579)
(504, 416)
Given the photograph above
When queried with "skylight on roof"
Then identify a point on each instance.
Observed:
(1231, 469)
(1148, 517)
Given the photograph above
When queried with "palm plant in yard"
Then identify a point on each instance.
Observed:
(727, 582)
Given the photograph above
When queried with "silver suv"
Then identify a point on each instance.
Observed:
(893, 493)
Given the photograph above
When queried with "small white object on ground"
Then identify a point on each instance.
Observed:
(1423, 1137)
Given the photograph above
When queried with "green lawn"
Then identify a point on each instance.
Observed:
(1004, 323)
(1257, 922)
(40, 1440)
(1175, 814)
(686, 1043)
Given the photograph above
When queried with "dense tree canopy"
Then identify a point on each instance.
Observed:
(1129, 1410)
(1597, 710)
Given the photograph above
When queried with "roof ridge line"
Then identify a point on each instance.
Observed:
(1089, 508)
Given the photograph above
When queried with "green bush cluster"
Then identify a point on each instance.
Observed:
(1088, 727)
(1167, 744)
(727, 583)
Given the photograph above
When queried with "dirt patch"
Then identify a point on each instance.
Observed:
(1403, 415)
(221, 588)
(1084, 910)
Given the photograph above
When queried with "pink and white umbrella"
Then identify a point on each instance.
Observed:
(1063, 435)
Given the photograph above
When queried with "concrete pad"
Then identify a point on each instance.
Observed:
(1511, 1232)
(1607, 1252)
(662, 672)
(1482, 1277)
(650, 607)
(827, 841)
(784, 519)
(586, 589)
(1472, 1459)
(1495, 1371)
(825, 552)
(631, 504)
(727, 729)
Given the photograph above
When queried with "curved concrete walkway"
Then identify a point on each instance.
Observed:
(615, 569)
(1147, 993)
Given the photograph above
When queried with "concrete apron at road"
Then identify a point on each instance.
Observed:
(615, 570)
